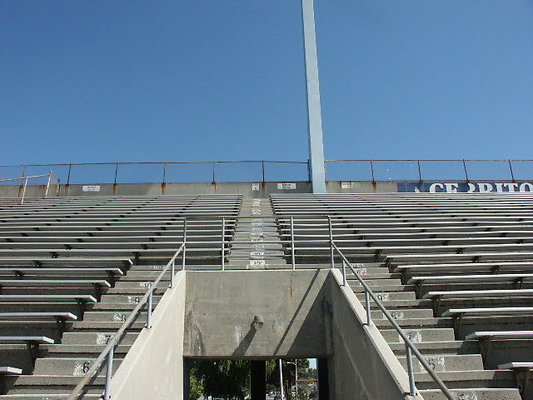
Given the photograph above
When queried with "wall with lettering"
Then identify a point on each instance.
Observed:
(465, 187)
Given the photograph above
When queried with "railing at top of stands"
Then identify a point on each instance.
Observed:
(107, 355)
(282, 171)
(25, 179)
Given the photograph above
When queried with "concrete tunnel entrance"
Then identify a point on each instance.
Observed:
(297, 379)
(256, 316)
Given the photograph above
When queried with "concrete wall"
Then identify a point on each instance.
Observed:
(155, 189)
(220, 309)
(363, 366)
(153, 368)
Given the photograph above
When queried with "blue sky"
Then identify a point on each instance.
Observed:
(131, 80)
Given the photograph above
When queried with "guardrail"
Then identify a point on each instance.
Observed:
(27, 178)
(107, 355)
(280, 171)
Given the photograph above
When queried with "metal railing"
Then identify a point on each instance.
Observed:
(410, 348)
(107, 355)
(25, 179)
(164, 172)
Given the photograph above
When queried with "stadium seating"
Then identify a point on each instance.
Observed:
(72, 268)
(454, 270)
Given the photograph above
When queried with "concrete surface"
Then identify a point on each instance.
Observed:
(220, 309)
(153, 368)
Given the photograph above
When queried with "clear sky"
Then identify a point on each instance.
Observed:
(132, 80)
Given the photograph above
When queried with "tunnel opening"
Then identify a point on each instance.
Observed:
(256, 379)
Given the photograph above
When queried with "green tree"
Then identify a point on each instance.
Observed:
(223, 378)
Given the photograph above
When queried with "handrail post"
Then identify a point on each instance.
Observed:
(24, 190)
(466, 170)
(332, 255)
(183, 254)
(292, 244)
(109, 373)
(511, 170)
(223, 247)
(343, 273)
(368, 310)
(149, 309)
(410, 372)
(48, 184)
(172, 268)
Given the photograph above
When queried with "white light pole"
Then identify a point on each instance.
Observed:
(295, 375)
(314, 110)
(281, 380)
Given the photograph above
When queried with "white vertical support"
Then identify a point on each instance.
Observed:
(314, 111)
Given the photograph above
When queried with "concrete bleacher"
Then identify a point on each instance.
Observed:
(454, 270)
(72, 268)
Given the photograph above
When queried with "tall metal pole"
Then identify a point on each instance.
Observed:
(314, 111)
(281, 380)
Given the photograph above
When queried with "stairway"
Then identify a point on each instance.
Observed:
(60, 366)
(458, 363)
(256, 244)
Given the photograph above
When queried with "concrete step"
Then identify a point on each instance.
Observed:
(420, 335)
(468, 379)
(95, 338)
(403, 314)
(474, 394)
(75, 366)
(108, 316)
(81, 350)
(447, 362)
(440, 348)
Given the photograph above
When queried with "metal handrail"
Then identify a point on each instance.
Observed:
(108, 352)
(409, 346)
(26, 178)
(264, 163)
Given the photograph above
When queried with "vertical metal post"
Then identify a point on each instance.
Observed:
(292, 244)
(466, 170)
(343, 272)
(213, 173)
(331, 250)
(68, 175)
(314, 112)
(368, 311)
(164, 172)
(372, 170)
(149, 309)
(223, 247)
(109, 373)
(511, 169)
(419, 171)
(24, 190)
(410, 372)
(183, 253)
(48, 184)
(281, 379)
(172, 268)
(116, 173)
(263, 171)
